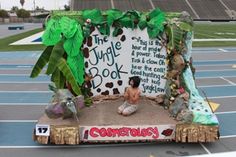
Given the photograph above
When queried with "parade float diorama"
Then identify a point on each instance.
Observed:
(90, 57)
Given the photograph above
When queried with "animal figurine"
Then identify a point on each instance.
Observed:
(178, 105)
(64, 104)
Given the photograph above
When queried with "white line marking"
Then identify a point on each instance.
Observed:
(223, 50)
(33, 55)
(24, 66)
(80, 146)
(212, 65)
(205, 77)
(230, 82)
(220, 97)
(229, 136)
(193, 10)
(18, 69)
(18, 121)
(112, 4)
(14, 69)
(25, 82)
(227, 112)
(152, 5)
(226, 7)
(223, 39)
(202, 78)
(23, 104)
(28, 75)
(26, 91)
(209, 86)
(216, 70)
(231, 60)
(208, 152)
(221, 70)
(29, 40)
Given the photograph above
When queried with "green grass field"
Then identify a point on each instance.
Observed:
(214, 31)
(201, 31)
(4, 43)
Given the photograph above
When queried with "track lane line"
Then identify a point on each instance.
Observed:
(230, 82)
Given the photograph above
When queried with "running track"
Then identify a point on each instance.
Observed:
(22, 102)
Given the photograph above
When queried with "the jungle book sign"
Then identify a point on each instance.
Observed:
(119, 133)
(112, 60)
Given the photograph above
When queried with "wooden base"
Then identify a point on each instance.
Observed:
(102, 124)
(60, 135)
(196, 133)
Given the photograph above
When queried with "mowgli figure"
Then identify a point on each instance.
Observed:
(131, 95)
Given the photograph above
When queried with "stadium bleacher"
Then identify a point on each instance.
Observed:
(209, 9)
(91, 4)
(231, 4)
(198, 9)
(137, 4)
(173, 6)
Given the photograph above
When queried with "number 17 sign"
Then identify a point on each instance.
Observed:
(42, 130)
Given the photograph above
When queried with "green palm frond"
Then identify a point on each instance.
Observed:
(175, 36)
(57, 53)
(42, 61)
(64, 68)
(58, 78)
(185, 26)
(52, 34)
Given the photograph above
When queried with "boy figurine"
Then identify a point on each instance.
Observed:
(131, 95)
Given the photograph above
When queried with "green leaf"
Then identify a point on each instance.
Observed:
(42, 61)
(104, 29)
(64, 68)
(175, 36)
(142, 21)
(58, 78)
(76, 65)
(155, 25)
(116, 31)
(112, 15)
(155, 13)
(126, 22)
(57, 53)
(75, 58)
(52, 34)
(95, 15)
(72, 45)
(130, 19)
(68, 26)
